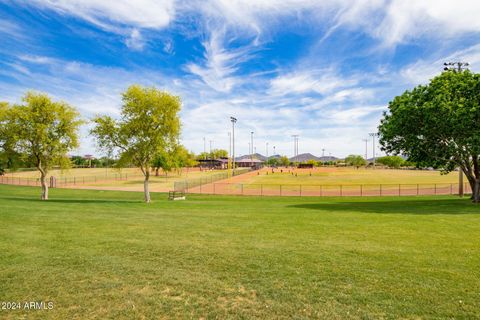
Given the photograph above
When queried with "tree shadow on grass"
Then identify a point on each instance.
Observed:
(413, 207)
(73, 201)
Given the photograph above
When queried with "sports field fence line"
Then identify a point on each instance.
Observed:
(346, 190)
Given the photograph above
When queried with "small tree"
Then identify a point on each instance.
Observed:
(312, 162)
(273, 161)
(391, 161)
(355, 160)
(284, 161)
(40, 130)
(438, 125)
(163, 160)
(149, 124)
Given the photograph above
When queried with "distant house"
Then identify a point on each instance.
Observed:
(305, 165)
(221, 163)
(249, 163)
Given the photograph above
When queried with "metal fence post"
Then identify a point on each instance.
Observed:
(418, 189)
(341, 190)
(435, 188)
(399, 189)
(380, 190)
(300, 190)
(214, 188)
(241, 185)
(361, 190)
(261, 189)
(451, 188)
(280, 190)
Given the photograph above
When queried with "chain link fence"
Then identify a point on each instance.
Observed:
(358, 190)
(185, 185)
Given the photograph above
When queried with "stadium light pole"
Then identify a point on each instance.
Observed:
(323, 153)
(366, 148)
(204, 148)
(373, 135)
(229, 144)
(266, 149)
(295, 146)
(457, 67)
(211, 149)
(274, 152)
(251, 145)
(233, 120)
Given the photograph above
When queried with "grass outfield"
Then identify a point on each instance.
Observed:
(104, 254)
(345, 176)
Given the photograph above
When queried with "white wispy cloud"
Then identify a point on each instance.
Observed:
(135, 41)
(219, 65)
(107, 14)
(303, 81)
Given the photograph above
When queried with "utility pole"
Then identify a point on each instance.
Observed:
(366, 148)
(204, 149)
(233, 120)
(323, 153)
(274, 152)
(373, 135)
(251, 137)
(229, 144)
(295, 146)
(457, 67)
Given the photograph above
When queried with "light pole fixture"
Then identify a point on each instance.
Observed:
(373, 135)
(233, 120)
(455, 66)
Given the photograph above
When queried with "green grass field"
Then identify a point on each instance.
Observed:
(107, 255)
(345, 176)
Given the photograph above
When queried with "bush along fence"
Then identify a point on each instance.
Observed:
(327, 190)
(187, 184)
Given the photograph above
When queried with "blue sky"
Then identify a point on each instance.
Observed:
(324, 70)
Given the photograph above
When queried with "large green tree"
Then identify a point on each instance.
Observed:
(149, 125)
(438, 125)
(355, 160)
(42, 131)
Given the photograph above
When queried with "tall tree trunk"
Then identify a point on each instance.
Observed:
(156, 171)
(145, 187)
(476, 191)
(43, 180)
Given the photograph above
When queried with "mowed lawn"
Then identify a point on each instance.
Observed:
(332, 176)
(107, 255)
